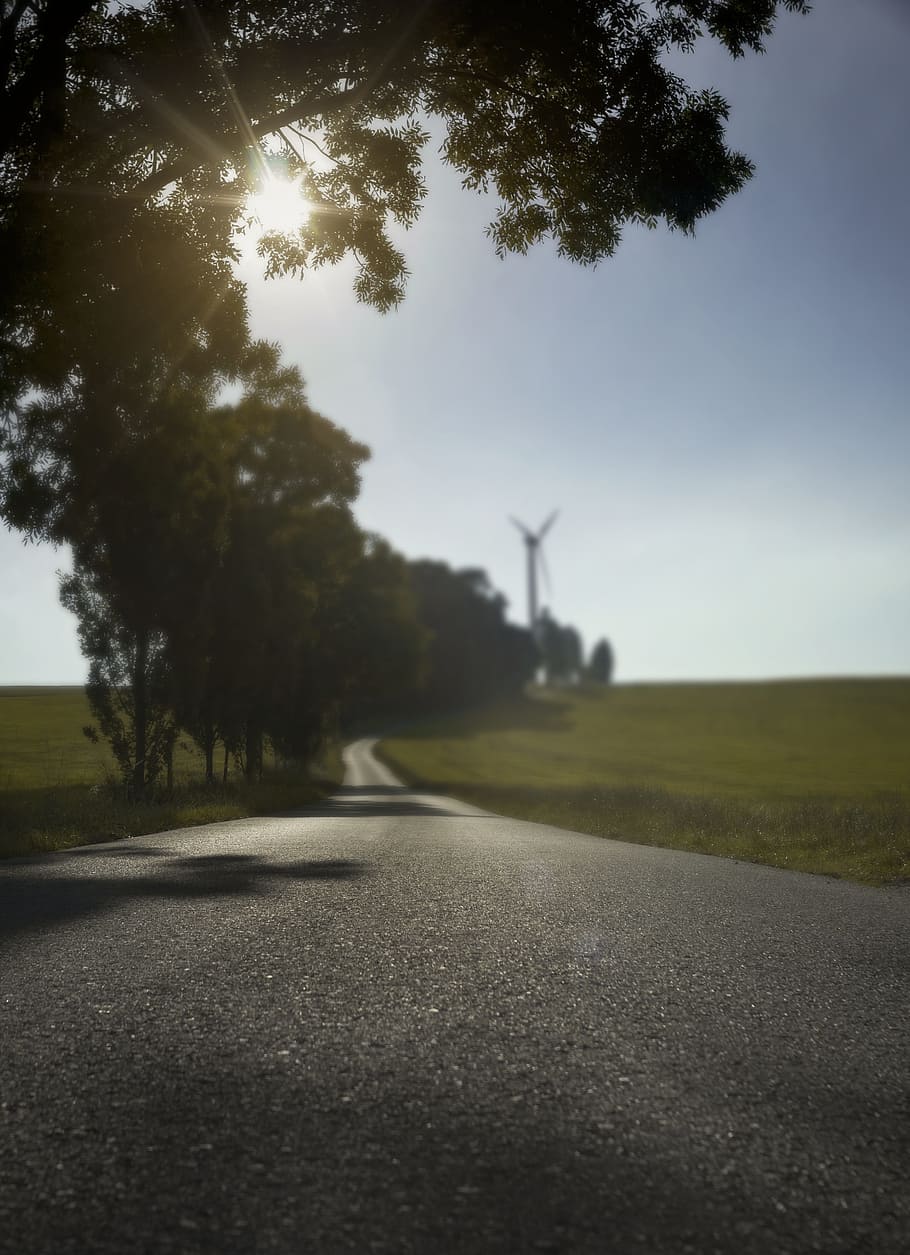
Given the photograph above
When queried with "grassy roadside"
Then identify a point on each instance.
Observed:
(812, 776)
(57, 790)
(40, 820)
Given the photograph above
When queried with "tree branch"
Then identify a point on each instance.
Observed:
(8, 39)
(406, 35)
(479, 76)
(59, 21)
(227, 141)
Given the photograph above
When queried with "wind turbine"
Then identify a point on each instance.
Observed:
(535, 555)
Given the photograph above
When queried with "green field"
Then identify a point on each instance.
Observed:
(811, 775)
(42, 746)
(57, 789)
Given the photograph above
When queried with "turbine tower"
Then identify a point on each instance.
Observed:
(535, 555)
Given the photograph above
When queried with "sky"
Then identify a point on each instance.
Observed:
(720, 420)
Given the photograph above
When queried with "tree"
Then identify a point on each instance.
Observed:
(207, 540)
(117, 356)
(560, 648)
(568, 111)
(573, 652)
(131, 136)
(600, 667)
(374, 646)
(129, 686)
(473, 654)
(144, 514)
(290, 543)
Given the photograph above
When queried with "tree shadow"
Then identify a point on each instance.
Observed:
(121, 847)
(370, 801)
(30, 901)
(521, 714)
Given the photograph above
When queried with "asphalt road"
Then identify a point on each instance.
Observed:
(397, 1024)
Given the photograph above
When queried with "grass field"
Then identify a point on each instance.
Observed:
(810, 775)
(42, 746)
(57, 789)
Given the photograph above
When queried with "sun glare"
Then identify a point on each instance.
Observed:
(279, 206)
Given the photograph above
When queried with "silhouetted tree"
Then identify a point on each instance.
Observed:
(573, 651)
(116, 336)
(600, 667)
(129, 687)
(561, 650)
(210, 544)
(376, 643)
(473, 654)
(290, 544)
(570, 112)
(144, 516)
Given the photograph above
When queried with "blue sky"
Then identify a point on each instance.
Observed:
(721, 420)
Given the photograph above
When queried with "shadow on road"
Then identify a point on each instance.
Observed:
(48, 889)
(367, 801)
(32, 901)
(542, 714)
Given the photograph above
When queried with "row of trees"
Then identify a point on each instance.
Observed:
(220, 581)
(223, 588)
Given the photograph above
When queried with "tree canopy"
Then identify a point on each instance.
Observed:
(601, 663)
(568, 112)
(560, 649)
(473, 654)
(132, 135)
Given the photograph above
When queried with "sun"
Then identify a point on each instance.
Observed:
(279, 205)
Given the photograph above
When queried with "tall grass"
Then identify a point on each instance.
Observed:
(38, 820)
(810, 775)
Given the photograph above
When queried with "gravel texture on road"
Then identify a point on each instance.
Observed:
(394, 1023)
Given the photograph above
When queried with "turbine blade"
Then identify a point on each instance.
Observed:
(545, 527)
(525, 531)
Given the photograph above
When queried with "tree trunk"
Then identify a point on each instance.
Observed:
(224, 774)
(253, 752)
(140, 714)
(170, 767)
(208, 741)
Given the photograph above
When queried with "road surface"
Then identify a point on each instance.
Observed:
(394, 1023)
